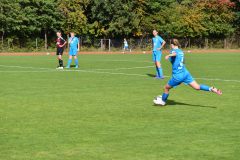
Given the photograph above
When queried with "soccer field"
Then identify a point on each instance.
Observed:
(104, 109)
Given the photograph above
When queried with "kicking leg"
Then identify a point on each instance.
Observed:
(202, 87)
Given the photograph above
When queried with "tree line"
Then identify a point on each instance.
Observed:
(24, 19)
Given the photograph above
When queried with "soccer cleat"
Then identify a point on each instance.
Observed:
(158, 101)
(59, 68)
(76, 66)
(215, 90)
(157, 77)
(67, 67)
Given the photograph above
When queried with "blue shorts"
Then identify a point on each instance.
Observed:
(73, 51)
(157, 55)
(177, 79)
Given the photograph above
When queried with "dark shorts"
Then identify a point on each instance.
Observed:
(60, 51)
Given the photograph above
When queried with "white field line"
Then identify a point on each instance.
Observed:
(90, 70)
(218, 79)
(22, 67)
(123, 68)
(46, 71)
(101, 72)
(128, 61)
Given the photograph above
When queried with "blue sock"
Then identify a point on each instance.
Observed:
(160, 72)
(69, 62)
(165, 97)
(204, 88)
(76, 62)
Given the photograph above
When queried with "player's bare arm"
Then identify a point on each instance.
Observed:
(63, 44)
(162, 45)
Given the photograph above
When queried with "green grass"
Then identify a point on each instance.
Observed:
(100, 115)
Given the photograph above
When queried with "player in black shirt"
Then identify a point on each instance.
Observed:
(60, 48)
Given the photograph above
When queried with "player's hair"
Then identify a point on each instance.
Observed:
(175, 42)
(59, 32)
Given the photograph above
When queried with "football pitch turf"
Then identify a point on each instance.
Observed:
(104, 109)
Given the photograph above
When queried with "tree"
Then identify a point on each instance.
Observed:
(114, 18)
(236, 9)
(48, 16)
(74, 18)
(9, 17)
(218, 16)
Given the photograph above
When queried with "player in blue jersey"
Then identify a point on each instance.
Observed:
(180, 74)
(125, 45)
(73, 50)
(158, 44)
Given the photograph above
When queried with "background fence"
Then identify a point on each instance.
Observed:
(94, 44)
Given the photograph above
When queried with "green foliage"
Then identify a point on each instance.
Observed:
(117, 19)
(114, 18)
(218, 16)
(74, 18)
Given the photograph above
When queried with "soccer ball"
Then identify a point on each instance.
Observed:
(158, 101)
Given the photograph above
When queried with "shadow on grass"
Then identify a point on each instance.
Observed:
(151, 75)
(174, 103)
(71, 66)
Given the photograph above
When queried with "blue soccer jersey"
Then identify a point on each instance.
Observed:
(73, 42)
(125, 44)
(180, 73)
(73, 46)
(177, 61)
(157, 42)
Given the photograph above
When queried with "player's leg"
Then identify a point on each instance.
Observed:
(191, 82)
(127, 48)
(159, 66)
(163, 99)
(166, 92)
(203, 87)
(76, 61)
(69, 61)
(71, 53)
(156, 63)
(59, 58)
